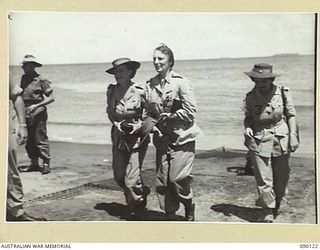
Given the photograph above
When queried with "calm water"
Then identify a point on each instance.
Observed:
(78, 114)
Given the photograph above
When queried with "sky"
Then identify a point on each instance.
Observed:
(84, 37)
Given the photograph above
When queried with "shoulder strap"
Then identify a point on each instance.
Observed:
(283, 99)
(282, 94)
(284, 102)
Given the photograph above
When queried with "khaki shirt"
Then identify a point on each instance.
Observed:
(34, 89)
(127, 107)
(267, 116)
(173, 95)
(14, 91)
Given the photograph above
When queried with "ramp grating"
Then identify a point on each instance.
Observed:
(104, 184)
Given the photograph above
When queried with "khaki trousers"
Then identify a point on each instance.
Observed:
(272, 176)
(14, 188)
(173, 170)
(127, 172)
(38, 142)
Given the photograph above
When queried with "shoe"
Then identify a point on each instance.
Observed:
(248, 171)
(275, 213)
(31, 168)
(267, 215)
(25, 217)
(34, 166)
(268, 218)
(171, 216)
(139, 205)
(46, 169)
(189, 213)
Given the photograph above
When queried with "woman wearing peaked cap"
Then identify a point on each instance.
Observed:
(125, 105)
(171, 101)
(37, 94)
(270, 135)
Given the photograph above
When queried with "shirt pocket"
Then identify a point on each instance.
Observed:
(276, 104)
(168, 100)
(282, 130)
(134, 103)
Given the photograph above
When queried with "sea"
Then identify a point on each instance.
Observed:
(78, 114)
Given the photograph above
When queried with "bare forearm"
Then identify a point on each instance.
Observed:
(46, 101)
(292, 125)
(20, 109)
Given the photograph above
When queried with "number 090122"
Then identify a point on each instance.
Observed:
(309, 246)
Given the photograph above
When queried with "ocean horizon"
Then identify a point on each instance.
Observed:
(177, 60)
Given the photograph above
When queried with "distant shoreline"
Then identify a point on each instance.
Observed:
(184, 60)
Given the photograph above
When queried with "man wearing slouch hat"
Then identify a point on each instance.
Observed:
(37, 94)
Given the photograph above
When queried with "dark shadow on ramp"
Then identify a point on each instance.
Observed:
(246, 213)
(241, 171)
(221, 153)
(121, 211)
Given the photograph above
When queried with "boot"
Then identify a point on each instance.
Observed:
(46, 168)
(171, 216)
(189, 211)
(275, 210)
(34, 166)
(267, 215)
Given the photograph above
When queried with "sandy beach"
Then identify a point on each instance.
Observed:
(80, 187)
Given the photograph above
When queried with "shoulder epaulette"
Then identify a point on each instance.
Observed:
(286, 88)
(138, 87)
(176, 75)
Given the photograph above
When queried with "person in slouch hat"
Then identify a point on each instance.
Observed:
(125, 106)
(37, 94)
(271, 135)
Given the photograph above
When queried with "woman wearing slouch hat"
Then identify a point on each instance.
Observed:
(125, 105)
(270, 135)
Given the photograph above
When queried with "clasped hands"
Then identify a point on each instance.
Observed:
(135, 126)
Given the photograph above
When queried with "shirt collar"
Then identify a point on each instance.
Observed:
(32, 75)
(169, 76)
(273, 91)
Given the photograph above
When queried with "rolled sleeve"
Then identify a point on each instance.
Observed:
(289, 109)
(46, 87)
(14, 90)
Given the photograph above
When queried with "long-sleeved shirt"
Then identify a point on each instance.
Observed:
(174, 95)
(267, 117)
